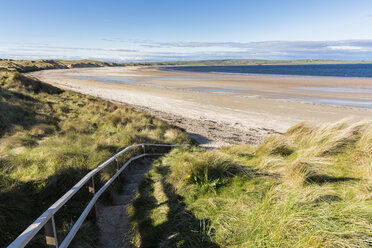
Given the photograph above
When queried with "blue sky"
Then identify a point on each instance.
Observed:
(161, 30)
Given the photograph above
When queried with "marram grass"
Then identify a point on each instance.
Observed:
(49, 139)
(311, 187)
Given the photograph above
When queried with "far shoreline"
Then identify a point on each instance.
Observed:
(167, 68)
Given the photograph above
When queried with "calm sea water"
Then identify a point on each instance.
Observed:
(338, 70)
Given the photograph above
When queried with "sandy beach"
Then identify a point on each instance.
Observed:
(220, 109)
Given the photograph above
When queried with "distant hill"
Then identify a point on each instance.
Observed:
(43, 64)
(258, 62)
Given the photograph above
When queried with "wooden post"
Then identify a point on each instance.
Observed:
(117, 169)
(92, 191)
(144, 149)
(51, 234)
(91, 188)
(117, 165)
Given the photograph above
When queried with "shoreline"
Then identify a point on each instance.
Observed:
(263, 74)
(268, 75)
(213, 134)
(223, 118)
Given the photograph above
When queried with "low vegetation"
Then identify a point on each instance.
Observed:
(311, 187)
(49, 139)
(42, 64)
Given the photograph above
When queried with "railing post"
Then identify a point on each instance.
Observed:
(92, 191)
(91, 188)
(51, 234)
(117, 164)
(117, 168)
(144, 149)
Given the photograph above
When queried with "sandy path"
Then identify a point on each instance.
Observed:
(219, 108)
(113, 220)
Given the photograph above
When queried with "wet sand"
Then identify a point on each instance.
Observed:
(219, 109)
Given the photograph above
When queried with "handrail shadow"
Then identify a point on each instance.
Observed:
(182, 228)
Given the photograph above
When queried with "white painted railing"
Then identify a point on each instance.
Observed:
(46, 220)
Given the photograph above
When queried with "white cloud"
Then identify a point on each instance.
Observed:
(147, 50)
(61, 48)
(346, 48)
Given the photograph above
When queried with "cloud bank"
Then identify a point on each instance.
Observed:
(119, 50)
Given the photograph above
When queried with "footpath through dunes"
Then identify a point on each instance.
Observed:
(113, 220)
(50, 139)
(223, 108)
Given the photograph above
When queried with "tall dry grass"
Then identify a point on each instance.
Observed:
(49, 139)
(311, 187)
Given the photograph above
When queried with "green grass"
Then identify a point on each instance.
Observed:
(49, 139)
(311, 187)
(42, 64)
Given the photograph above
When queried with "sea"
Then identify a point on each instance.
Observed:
(329, 70)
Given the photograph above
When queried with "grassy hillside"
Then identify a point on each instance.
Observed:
(42, 64)
(49, 139)
(311, 187)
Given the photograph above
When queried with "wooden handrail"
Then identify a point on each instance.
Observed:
(47, 218)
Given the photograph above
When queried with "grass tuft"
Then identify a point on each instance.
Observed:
(310, 187)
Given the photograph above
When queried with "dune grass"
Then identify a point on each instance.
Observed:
(49, 139)
(43, 64)
(311, 187)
